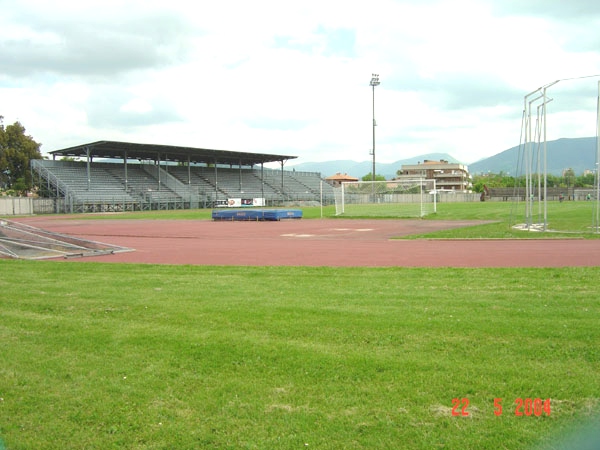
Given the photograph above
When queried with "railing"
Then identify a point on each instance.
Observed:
(185, 192)
(38, 166)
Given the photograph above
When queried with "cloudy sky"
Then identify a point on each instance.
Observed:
(293, 77)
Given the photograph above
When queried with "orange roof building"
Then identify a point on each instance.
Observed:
(339, 178)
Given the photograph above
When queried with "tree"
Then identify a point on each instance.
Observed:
(16, 151)
(587, 180)
(492, 180)
(369, 177)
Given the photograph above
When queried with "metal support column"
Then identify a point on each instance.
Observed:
(126, 177)
(216, 182)
(87, 153)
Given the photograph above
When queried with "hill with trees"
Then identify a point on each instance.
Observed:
(578, 154)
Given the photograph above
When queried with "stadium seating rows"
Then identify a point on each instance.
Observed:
(145, 186)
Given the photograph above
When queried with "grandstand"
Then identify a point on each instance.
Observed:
(137, 177)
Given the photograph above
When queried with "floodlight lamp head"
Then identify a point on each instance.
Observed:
(374, 79)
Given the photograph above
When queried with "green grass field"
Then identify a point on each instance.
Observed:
(114, 356)
(566, 219)
(575, 218)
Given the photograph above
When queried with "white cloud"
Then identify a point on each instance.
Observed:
(285, 78)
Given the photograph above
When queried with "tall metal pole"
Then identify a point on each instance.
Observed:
(598, 160)
(374, 82)
(527, 150)
(541, 196)
(545, 166)
(546, 157)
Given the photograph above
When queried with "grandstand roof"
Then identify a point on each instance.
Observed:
(155, 152)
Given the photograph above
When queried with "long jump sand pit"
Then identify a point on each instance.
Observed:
(326, 242)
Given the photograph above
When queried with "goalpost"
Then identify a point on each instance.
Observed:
(415, 197)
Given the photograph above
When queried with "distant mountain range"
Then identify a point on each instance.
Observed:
(578, 154)
(360, 169)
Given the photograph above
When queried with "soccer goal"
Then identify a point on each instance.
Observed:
(398, 198)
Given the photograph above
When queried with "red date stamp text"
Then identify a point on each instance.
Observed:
(520, 407)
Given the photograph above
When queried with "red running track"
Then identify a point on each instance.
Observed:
(327, 242)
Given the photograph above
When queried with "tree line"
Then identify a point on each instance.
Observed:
(501, 180)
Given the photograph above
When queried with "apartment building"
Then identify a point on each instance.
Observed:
(449, 177)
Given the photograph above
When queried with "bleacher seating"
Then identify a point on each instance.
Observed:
(101, 184)
(139, 186)
(140, 183)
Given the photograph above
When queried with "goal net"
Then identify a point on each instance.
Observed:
(398, 198)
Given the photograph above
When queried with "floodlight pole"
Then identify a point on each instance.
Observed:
(374, 82)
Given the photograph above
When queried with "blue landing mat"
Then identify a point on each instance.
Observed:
(256, 214)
